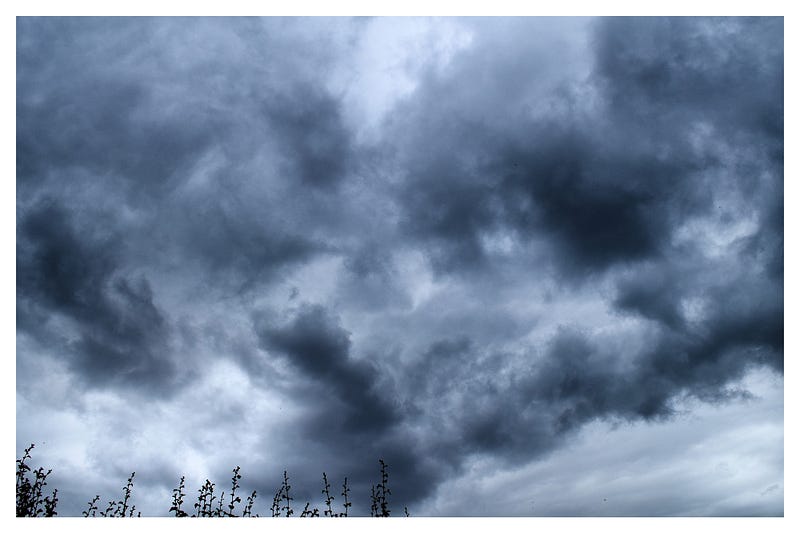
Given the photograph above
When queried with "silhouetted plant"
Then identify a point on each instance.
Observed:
(373, 509)
(278, 509)
(234, 485)
(309, 513)
(92, 510)
(380, 503)
(345, 492)
(328, 497)
(276, 503)
(248, 508)
(383, 489)
(205, 500)
(32, 502)
(119, 509)
(30, 498)
(177, 499)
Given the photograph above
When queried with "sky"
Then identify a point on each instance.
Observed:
(534, 264)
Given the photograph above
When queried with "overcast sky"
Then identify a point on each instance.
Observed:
(536, 265)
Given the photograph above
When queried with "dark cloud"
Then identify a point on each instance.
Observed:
(556, 223)
(726, 70)
(354, 414)
(317, 345)
(308, 124)
(597, 209)
(651, 295)
(124, 117)
(606, 192)
(610, 187)
(237, 246)
(122, 336)
(99, 119)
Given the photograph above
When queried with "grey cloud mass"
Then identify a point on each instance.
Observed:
(318, 345)
(553, 225)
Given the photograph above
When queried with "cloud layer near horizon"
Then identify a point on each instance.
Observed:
(306, 244)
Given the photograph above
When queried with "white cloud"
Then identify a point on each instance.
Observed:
(711, 460)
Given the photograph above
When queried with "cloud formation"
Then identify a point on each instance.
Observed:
(555, 224)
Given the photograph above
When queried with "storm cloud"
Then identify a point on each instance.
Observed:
(440, 242)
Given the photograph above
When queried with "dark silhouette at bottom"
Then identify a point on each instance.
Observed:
(32, 502)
